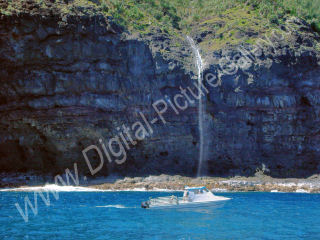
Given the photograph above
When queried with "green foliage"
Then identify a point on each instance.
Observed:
(179, 14)
(104, 6)
(274, 10)
(171, 12)
(176, 15)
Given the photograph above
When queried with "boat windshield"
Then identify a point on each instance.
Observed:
(197, 190)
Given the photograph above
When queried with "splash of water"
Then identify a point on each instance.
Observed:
(52, 187)
(199, 65)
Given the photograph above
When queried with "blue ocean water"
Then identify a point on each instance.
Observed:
(117, 215)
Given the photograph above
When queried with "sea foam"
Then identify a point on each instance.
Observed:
(52, 187)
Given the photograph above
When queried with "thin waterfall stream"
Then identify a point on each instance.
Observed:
(199, 65)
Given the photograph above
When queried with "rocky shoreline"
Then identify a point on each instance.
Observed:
(236, 184)
(257, 183)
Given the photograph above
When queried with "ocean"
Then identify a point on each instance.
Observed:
(118, 215)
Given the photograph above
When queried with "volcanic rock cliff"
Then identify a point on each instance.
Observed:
(68, 80)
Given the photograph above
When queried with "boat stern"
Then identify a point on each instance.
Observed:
(145, 204)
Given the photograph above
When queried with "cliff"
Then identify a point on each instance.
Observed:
(70, 78)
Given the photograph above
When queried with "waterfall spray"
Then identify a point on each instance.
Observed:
(199, 65)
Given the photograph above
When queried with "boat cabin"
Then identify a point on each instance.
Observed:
(196, 190)
(195, 193)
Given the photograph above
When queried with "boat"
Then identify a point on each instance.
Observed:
(192, 197)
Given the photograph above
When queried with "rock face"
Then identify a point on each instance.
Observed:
(266, 112)
(66, 83)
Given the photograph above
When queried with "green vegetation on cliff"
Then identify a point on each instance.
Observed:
(222, 21)
(181, 14)
(219, 22)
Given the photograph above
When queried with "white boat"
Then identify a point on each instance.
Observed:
(192, 197)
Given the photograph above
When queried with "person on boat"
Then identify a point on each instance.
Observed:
(186, 196)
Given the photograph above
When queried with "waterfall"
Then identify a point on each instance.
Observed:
(199, 65)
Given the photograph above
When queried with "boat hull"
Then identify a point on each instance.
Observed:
(190, 204)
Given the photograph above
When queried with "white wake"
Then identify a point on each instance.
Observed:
(113, 206)
(53, 188)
